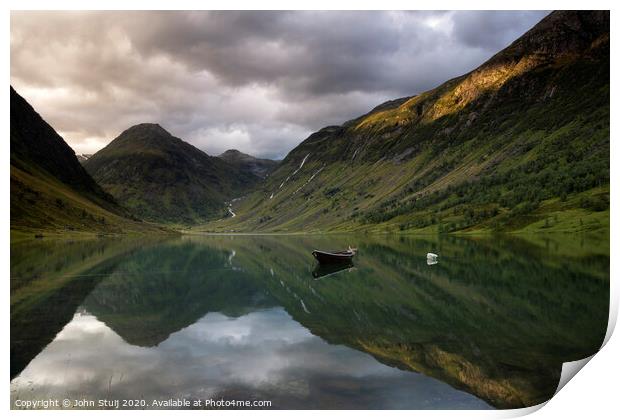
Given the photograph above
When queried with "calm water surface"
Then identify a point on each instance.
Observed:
(253, 318)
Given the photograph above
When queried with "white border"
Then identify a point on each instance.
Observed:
(593, 394)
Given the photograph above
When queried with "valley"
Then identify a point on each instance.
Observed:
(518, 145)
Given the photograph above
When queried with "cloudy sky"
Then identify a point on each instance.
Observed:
(260, 82)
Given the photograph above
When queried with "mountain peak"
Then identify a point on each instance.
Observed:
(146, 165)
(234, 154)
(147, 137)
(247, 163)
(147, 128)
(558, 34)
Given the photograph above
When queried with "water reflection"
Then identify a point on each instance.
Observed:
(324, 270)
(252, 318)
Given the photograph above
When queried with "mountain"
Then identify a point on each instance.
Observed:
(161, 178)
(50, 190)
(249, 164)
(83, 157)
(519, 144)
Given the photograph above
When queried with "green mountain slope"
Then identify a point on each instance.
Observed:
(50, 190)
(164, 179)
(259, 167)
(520, 143)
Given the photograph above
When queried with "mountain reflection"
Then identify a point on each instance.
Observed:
(248, 317)
(183, 283)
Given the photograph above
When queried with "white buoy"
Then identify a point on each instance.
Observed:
(430, 255)
(431, 259)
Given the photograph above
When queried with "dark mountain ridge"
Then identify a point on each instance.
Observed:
(164, 179)
(50, 190)
(34, 142)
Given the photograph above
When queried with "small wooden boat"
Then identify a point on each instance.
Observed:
(334, 257)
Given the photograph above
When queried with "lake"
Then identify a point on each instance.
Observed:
(236, 318)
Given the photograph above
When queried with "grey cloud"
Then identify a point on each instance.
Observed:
(493, 30)
(256, 81)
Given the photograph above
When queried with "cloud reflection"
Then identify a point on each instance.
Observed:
(262, 355)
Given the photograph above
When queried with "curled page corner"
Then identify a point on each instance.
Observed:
(613, 314)
(569, 370)
(519, 412)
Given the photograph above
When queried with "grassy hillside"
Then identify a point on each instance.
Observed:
(51, 192)
(161, 178)
(42, 205)
(519, 144)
